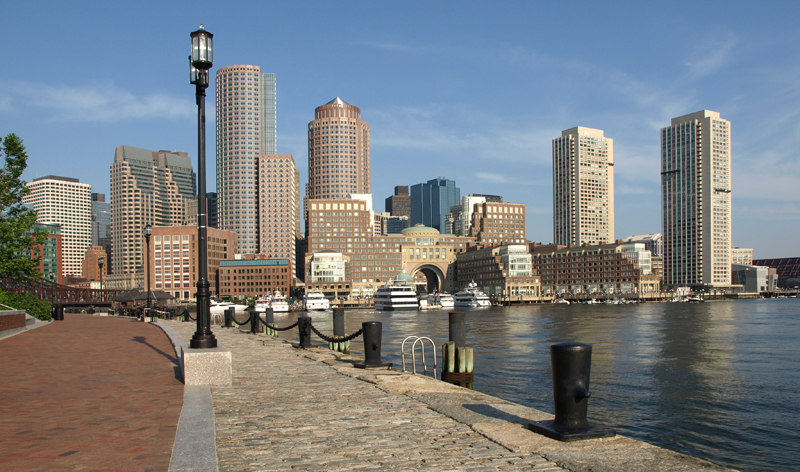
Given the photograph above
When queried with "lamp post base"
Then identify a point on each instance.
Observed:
(203, 341)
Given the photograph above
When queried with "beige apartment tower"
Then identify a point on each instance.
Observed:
(278, 206)
(583, 187)
(696, 200)
(338, 152)
(246, 129)
(67, 202)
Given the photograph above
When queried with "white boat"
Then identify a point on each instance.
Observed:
(218, 308)
(442, 300)
(262, 303)
(471, 297)
(279, 303)
(396, 295)
(561, 301)
(315, 301)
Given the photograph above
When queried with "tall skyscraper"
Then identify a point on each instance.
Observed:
(67, 202)
(583, 187)
(338, 152)
(278, 211)
(147, 187)
(246, 129)
(696, 200)
(431, 201)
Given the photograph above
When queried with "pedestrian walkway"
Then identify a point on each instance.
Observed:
(286, 411)
(88, 393)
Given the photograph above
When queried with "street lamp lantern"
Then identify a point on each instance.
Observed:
(148, 231)
(200, 62)
(202, 49)
(100, 262)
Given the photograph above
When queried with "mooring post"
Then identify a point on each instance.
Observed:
(229, 314)
(269, 320)
(254, 320)
(338, 330)
(304, 329)
(571, 364)
(457, 358)
(373, 331)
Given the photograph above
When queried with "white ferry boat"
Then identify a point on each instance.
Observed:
(315, 301)
(396, 295)
(471, 297)
(442, 300)
(279, 303)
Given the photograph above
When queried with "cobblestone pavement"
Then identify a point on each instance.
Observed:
(88, 393)
(286, 411)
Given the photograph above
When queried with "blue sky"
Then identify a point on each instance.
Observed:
(471, 91)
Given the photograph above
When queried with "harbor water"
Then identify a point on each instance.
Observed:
(715, 380)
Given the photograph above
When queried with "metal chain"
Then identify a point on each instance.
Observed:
(282, 329)
(336, 339)
(237, 322)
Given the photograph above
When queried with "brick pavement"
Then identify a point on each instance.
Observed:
(285, 411)
(88, 393)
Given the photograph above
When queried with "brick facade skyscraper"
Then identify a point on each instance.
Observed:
(338, 152)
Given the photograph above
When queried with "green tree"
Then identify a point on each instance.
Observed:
(16, 220)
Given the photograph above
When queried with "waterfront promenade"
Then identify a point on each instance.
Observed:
(88, 393)
(100, 393)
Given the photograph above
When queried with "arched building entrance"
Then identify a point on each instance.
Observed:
(435, 278)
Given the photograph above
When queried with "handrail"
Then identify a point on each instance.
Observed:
(421, 340)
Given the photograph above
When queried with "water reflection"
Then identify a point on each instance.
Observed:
(715, 380)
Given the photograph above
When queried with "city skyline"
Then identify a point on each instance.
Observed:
(475, 94)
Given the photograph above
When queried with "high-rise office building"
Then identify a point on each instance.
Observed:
(399, 204)
(101, 223)
(246, 129)
(67, 202)
(278, 210)
(583, 187)
(696, 200)
(147, 188)
(338, 152)
(431, 201)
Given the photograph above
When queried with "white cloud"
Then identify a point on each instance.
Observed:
(711, 56)
(95, 103)
(486, 176)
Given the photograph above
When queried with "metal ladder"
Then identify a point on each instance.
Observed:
(421, 340)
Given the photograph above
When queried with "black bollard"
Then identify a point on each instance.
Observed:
(186, 315)
(269, 320)
(229, 314)
(571, 363)
(373, 331)
(254, 320)
(304, 329)
(338, 321)
(53, 312)
(458, 329)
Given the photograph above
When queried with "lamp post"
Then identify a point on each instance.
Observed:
(100, 261)
(200, 62)
(148, 230)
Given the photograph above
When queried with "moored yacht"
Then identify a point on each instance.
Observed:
(261, 304)
(471, 297)
(315, 301)
(442, 300)
(398, 294)
(279, 303)
(218, 308)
